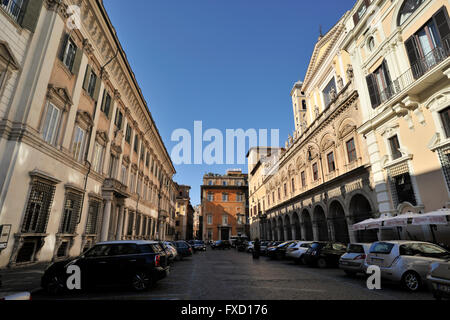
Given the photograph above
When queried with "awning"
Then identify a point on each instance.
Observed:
(440, 217)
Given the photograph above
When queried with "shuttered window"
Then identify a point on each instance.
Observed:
(71, 212)
(379, 85)
(93, 217)
(38, 207)
(445, 118)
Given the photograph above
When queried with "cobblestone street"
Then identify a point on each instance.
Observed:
(231, 275)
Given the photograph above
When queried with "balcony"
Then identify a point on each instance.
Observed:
(14, 9)
(417, 71)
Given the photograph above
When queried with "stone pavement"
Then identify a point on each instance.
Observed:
(22, 279)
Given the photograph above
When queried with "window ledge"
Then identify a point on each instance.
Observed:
(395, 162)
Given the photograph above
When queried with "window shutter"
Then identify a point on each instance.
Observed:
(77, 61)
(63, 45)
(355, 19)
(102, 106)
(373, 91)
(97, 88)
(31, 16)
(413, 55)
(442, 23)
(86, 77)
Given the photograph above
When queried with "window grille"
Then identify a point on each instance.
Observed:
(38, 207)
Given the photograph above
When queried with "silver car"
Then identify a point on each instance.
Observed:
(296, 250)
(352, 262)
(406, 262)
(439, 279)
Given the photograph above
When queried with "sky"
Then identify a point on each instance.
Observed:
(228, 63)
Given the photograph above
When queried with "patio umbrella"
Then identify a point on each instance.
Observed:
(368, 224)
(400, 220)
(439, 217)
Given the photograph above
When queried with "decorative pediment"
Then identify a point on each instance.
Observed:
(59, 96)
(116, 148)
(84, 119)
(126, 159)
(7, 57)
(134, 167)
(102, 137)
(348, 128)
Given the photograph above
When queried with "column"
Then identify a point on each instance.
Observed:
(286, 235)
(106, 218)
(315, 231)
(352, 234)
(303, 230)
(120, 223)
(294, 233)
(331, 231)
(133, 233)
(125, 221)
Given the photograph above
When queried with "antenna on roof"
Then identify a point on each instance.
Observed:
(320, 32)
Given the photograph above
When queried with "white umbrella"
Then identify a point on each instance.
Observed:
(400, 220)
(368, 224)
(436, 217)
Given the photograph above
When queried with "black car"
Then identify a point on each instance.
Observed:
(279, 252)
(138, 264)
(324, 254)
(184, 249)
(221, 244)
(168, 251)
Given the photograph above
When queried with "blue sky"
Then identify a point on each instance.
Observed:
(228, 63)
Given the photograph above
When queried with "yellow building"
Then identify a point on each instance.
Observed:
(320, 183)
(400, 53)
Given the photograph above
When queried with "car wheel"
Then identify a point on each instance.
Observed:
(55, 286)
(411, 281)
(322, 263)
(350, 273)
(141, 281)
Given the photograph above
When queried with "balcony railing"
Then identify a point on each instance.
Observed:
(14, 9)
(419, 69)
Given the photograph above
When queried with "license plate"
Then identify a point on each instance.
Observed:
(443, 288)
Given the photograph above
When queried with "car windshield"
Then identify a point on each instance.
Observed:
(315, 245)
(355, 248)
(99, 251)
(424, 250)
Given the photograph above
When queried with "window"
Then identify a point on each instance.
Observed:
(328, 95)
(395, 146)
(210, 196)
(315, 170)
(79, 144)
(92, 218)
(113, 166)
(119, 119)
(71, 212)
(51, 124)
(210, 219)
(225, 220)
(13, 8)
(210, 183)
(106, 104)
(279, 194)
(128, 134)
(430, 45)
(132, 182)
(408, 9)
(371, 43)
(147, 160)
(293, 185)
(361, 11)
(285, 189)
(401, 185)
(304, 107)
(331, 163)
(136, 143)
(239, 197)
(69, 54)
(224, 183)
(130, 223)
(124, 175)
(379, 85)
(303, 177)
(92, 83)
(142, 153)
(38, 207)
(351, 150)
(225, 197)
(445, 118)
(97, 162)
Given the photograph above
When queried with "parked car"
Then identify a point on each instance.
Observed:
(296, 251)
(250, 246)
(264, 245)
(199, 245)
(15, 296)
(439, 279)
(184, 249)
(406, 262)
(242, 246)
(138, 264)
(352, 262)
(171, 251)
(324, 254)
(279, 252)
(221, 244)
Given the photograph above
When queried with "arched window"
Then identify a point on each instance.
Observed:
(408, 9)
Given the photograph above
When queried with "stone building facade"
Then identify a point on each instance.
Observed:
(81, 157)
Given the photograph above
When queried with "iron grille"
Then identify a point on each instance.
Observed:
(444, 156)
(93, 218)
(71, 212)
(38, 208)
(401, 185)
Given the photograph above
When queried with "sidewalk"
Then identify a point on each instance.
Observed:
(22, 279)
